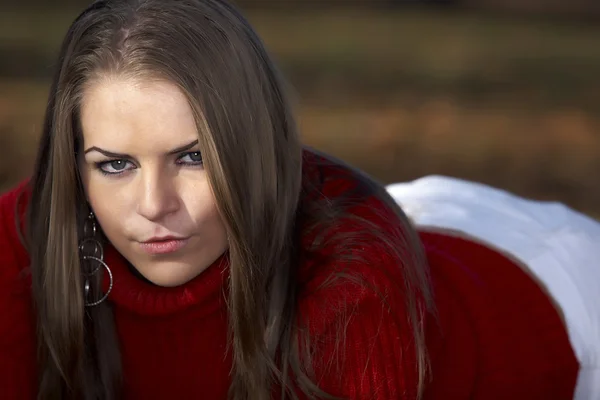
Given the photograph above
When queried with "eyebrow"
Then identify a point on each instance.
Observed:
(124, 155)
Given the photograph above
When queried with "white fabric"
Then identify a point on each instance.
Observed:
(559, 245)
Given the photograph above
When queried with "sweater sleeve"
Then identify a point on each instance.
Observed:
(17, 329)
(361, 338)
(375, 360)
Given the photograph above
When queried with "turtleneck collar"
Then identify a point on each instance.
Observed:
(205, 293)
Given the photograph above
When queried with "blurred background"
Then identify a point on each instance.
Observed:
(505, 92)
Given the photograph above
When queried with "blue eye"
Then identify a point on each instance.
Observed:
(114, 167)
(191, 158)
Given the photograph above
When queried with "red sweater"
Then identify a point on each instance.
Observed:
(497, 335)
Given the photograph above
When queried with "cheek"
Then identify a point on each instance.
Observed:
(111, 209)
(108, 216)
(203, 210)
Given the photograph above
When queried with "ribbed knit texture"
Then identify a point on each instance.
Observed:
(497, 336)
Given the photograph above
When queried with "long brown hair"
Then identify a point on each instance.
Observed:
(253, 158)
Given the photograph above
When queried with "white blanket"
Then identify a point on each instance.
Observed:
(559, 245)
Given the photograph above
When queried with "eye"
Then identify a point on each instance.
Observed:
(191, 158)
(115, 167)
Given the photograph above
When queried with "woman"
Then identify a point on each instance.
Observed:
(176, 241)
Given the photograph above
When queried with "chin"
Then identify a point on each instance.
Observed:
(171, 275)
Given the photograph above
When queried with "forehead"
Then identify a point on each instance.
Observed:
(121, 112)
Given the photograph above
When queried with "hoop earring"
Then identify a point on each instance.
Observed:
(90, 244)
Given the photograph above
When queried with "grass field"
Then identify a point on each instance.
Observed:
(513, 103)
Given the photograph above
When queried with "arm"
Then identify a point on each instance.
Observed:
(377, 357)
(361, 287)
(17, 324)
(361, 337)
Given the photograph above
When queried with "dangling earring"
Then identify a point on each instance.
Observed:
(92, 261)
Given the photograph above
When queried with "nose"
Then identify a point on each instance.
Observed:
(158, 196)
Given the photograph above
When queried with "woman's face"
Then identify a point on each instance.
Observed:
(143, 177)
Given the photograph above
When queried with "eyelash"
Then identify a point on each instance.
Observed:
(101, 164)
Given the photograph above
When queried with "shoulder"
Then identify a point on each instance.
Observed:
(17, 318)
(13, 206)
(338, 199)
(14, 279)
(355, 301)
(357, 250)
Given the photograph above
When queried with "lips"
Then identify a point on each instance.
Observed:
(163, 245)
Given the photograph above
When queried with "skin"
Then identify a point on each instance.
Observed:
(158, 187)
